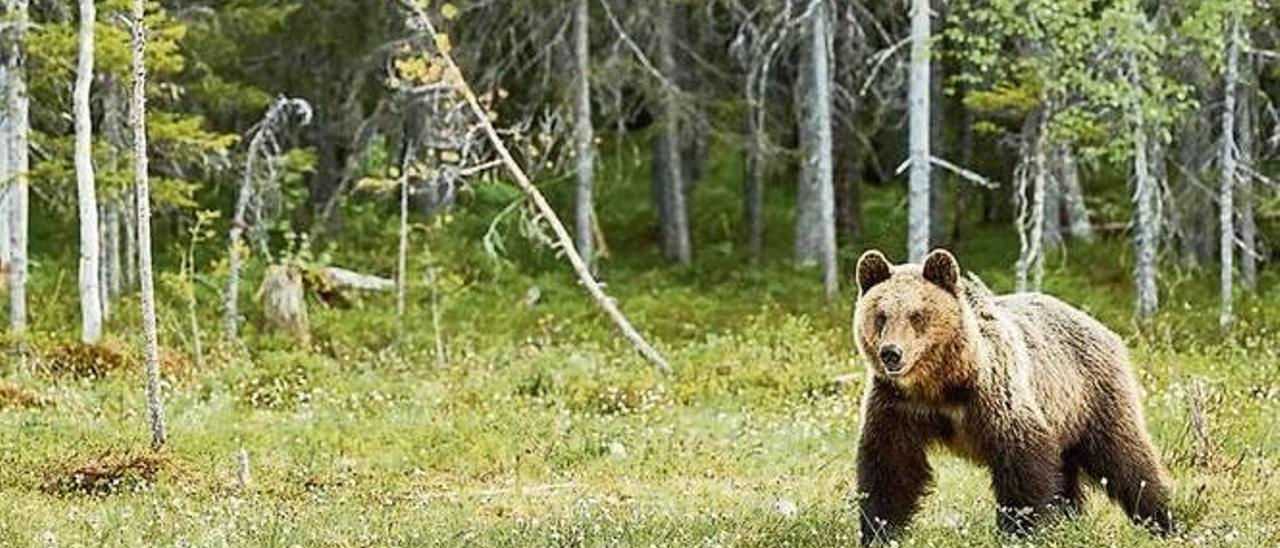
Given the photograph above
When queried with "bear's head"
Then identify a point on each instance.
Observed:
(909, 322)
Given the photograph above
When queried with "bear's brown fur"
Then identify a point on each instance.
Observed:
(1037, 391)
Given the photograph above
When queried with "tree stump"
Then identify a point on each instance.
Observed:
(284, 302)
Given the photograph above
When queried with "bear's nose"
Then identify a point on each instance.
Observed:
(891, 356)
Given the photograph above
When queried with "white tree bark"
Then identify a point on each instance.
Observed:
(1077, 212)
(583, 134)
(1146, 195)
(918, 111)
(815, 205)
(138, 115)
(1226, 206)
(402, 255)
(18, 164)
(1030, 221)
(90, 253)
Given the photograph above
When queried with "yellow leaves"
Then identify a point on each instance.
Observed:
(419, 70)
(449, 11)
(443, 45)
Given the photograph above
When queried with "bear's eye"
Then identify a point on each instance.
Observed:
(917, 320)
(881, 318)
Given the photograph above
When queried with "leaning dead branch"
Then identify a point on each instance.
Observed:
(420, 20)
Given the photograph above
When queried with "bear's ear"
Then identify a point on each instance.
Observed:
(941, 268)
(873, 268)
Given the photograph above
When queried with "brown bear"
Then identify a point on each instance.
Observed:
(1035, 390)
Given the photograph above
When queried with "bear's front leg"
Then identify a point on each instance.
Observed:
(893, 472)
(1027, 478)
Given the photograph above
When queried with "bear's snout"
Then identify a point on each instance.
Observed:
(891, 357)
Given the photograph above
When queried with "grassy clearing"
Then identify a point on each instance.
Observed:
(542, 429)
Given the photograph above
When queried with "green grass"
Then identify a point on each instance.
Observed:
(545, 429)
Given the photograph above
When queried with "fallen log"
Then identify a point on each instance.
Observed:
(341, 278)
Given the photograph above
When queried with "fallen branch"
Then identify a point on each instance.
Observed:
(562, 236)
(349, 279)
(966, 174)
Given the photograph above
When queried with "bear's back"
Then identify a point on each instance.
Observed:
(1076, 366)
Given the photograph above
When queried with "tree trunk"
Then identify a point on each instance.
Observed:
(1248, 224)
(753, 184)
(676, 244)
(918, 107)
(138, 113)
(815, 204)
(1053, 202)
(1226, 207)
(18, 162)
(115, 108)
(90, 253)
(1077, 212)
(583, 134)
(402, 256)
(1030, 220)
(937, 121)
(1146, 193)
(848, 178)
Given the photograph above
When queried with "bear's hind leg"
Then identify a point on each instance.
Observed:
(1123, 459)
(1071, 499)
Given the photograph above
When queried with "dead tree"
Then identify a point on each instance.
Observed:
(254, 198)
(564, 241)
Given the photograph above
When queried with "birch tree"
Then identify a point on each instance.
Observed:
(1146, 221)
(815, 207)
(138, 117)
(918, 112)
(17, 162)
(583, 134)
(1226, 191)
(90, 253)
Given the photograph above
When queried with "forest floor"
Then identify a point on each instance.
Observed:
(543, 428)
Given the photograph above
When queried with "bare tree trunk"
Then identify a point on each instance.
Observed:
(1030, 219)
(1077, 212)
(155, 407)
(402, 256)
(130, 271)
(1146, 193)
(918, 106)
(583, 134)
(937, 121)
(1248, 224)
(115, 107)
(104, 294)
(18, 164)
(1053, 201)
(90, 252)
(753, 185)
(676, 244)
(815, 215)
(564, 240)
(1226, 207)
